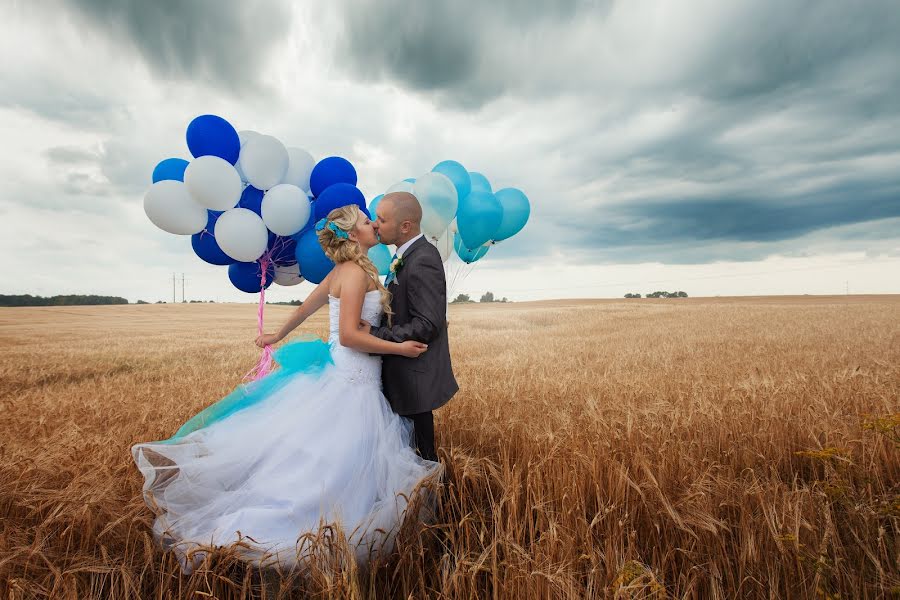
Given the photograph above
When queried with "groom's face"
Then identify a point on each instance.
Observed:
(386, 226)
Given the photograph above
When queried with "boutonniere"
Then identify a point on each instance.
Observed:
(396, 265)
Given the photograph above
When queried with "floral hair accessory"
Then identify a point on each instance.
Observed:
(323, 223)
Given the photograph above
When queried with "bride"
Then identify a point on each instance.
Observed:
(313, 443)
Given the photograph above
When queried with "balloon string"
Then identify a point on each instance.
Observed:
(265, 364)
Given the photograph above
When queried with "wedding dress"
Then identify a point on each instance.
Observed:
(315, 442)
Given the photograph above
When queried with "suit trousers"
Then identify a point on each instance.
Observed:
(423, 434)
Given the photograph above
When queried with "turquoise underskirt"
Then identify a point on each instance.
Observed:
(306, 356)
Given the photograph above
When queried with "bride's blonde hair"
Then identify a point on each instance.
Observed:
(340, 248)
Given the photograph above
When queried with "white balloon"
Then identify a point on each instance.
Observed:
(170, 207)
(213, 182)
(300, 166)
(438, 198)
(444, 244)
(288, 274)
(285, 209)
(403, 186)
(241, 234)
(244, 136)
(264, 161)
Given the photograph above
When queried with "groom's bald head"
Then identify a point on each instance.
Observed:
(405, 207)
(399, 218)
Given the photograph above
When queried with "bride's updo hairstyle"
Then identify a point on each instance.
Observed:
(334, 237)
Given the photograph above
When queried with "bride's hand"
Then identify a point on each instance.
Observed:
(267, 339)
(412, 348)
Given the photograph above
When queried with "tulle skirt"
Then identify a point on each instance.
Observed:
(306, 446)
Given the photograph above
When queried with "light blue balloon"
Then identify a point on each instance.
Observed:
(465, 254)
(410, 179)
(381, 257)
(480, 182)
(516, 210)
(456, 173)
(478, 218)
(373, 204)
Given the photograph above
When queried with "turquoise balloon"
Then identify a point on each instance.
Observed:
(516, 210)
(373, 204)
(466, 255)
(456, 173)
(480, 182)
(381, 257)
(478, 218)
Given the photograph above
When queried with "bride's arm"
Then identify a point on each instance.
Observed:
(316, 300)
(353, 291)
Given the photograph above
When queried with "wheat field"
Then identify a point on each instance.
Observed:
(680, 448)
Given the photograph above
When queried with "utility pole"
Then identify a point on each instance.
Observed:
(182, 288)
(173, 288)
(848, 287)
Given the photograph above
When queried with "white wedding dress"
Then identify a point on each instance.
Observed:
(313, 443)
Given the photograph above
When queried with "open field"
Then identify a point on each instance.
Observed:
(681, 448)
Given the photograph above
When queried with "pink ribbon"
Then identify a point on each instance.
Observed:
(265, 364)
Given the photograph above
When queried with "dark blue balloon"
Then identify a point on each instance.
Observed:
(336, 196)
(212, 135)
(314, 265)
(283, 250)
(247, 277)
(205, 245)
(330, 171)
(171, 168)
(251, 199)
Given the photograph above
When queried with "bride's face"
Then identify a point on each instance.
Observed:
(364, 232)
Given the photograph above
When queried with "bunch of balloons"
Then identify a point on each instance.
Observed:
(250, 203)
(461, 213)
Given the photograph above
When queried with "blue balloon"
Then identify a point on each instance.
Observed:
(171, 168)
(410, 179)
(336, 196)
(466, 255)
(374, 204)
(516, 210)
(480, 182)
(478, 218)
(381, 257)
(456, 173)
(251, 199)
(330, 171)
(247, 277)
(314, 265)
(212, 135)
(205, 245)
(283, 249)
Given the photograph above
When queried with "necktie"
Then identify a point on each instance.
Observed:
(390, 276)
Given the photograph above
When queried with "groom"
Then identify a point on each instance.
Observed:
(414, 386)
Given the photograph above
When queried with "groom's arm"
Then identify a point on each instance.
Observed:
(427, 297)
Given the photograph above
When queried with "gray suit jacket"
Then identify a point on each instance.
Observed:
(419, 302)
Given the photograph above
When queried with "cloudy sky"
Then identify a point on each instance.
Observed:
(721, 148)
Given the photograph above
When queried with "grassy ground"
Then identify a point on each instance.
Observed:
(689, 448)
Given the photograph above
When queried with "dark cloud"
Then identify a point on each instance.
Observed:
(449, 48)
(219, 42)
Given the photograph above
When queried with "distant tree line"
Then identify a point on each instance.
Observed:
(486, 297)
(68, 300)
(291, 303)
(659, 295)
